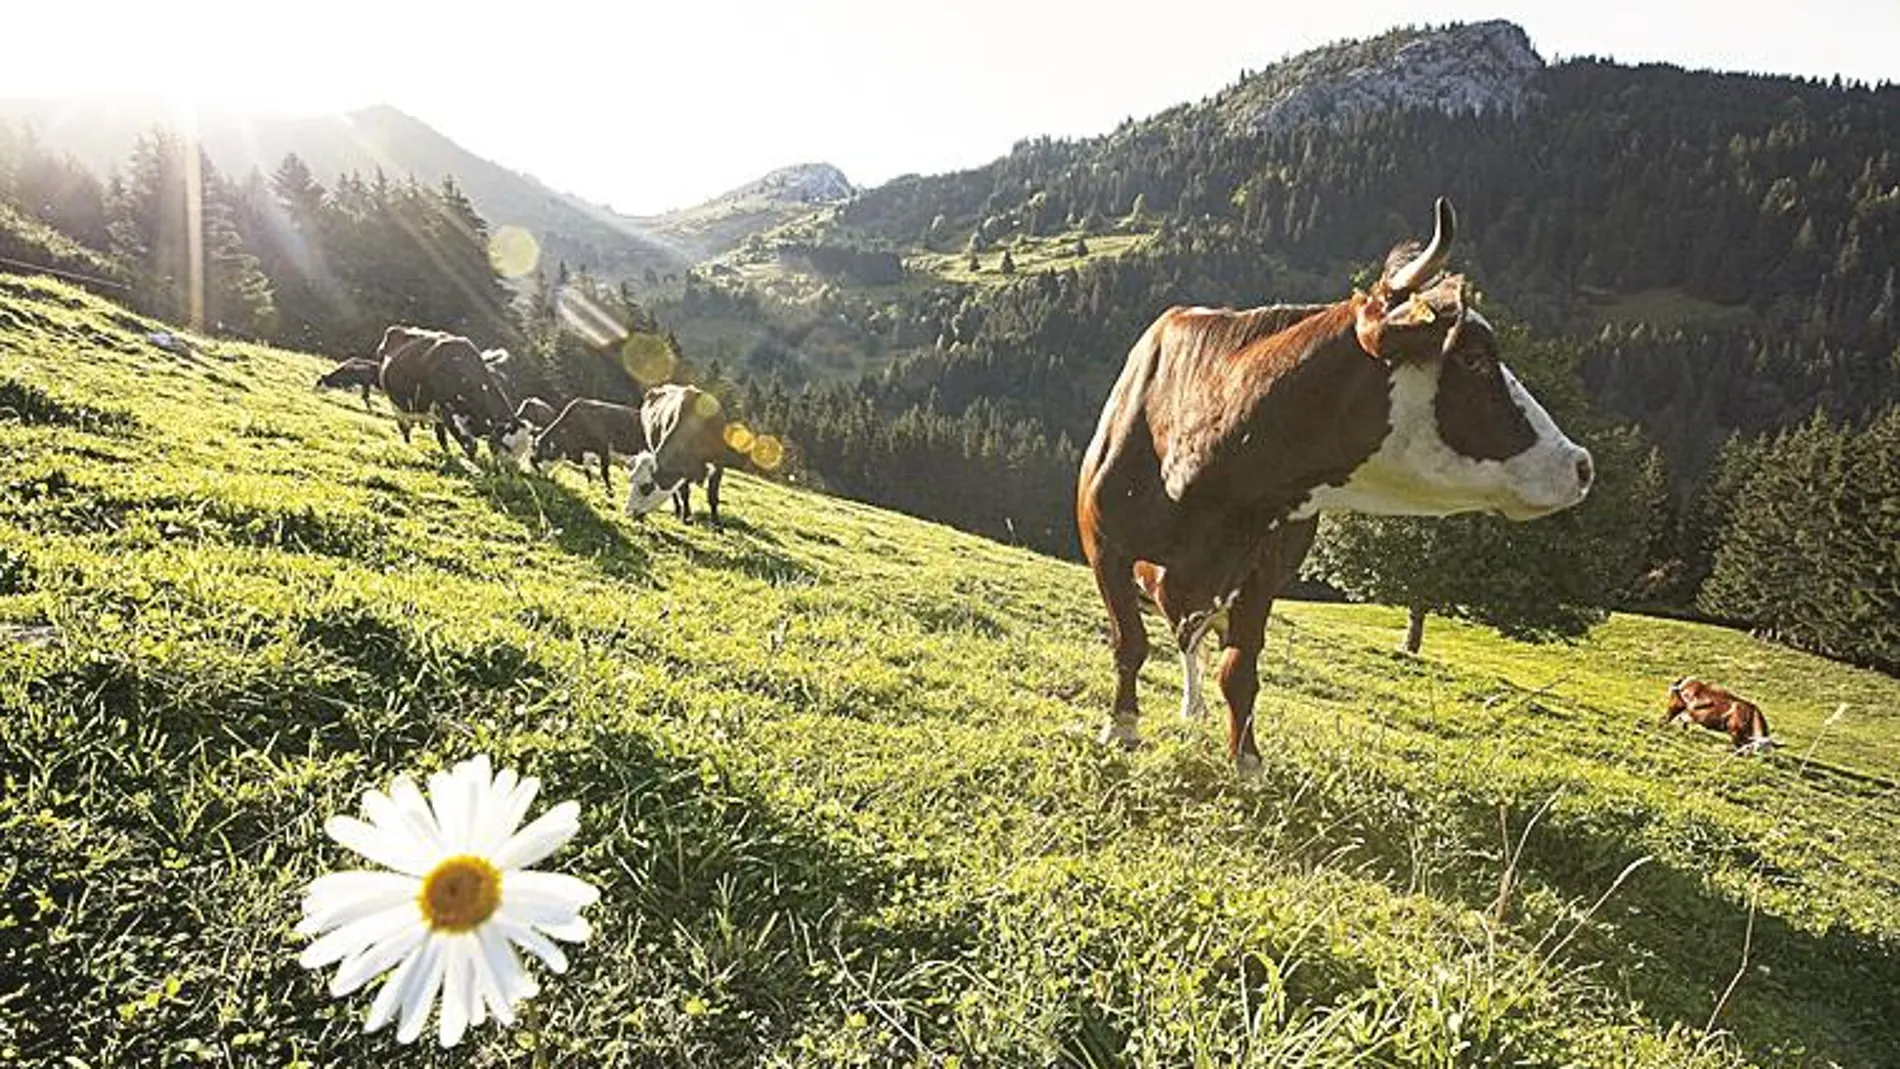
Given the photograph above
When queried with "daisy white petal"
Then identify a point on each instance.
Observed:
(356, 936)
(400, 825)
(511, 982)
(514, 807)
(374, 844)
(497, 818)
(456, 990)
(532, 941)
(390, 997)
(337, 898)
(419, 993)
(487, 986)
(572, 930)
(547, 894)
(408, 798)
(549, 832)
(374, 960)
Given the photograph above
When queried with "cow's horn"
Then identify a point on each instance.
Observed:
(1426, 264)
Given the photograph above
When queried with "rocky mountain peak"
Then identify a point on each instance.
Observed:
(1480, 67)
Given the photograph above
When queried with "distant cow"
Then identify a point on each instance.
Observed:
(1229, 432)
(1693, 701)
(358, 372)
(590, 431)
(685, 443)
(435, 377)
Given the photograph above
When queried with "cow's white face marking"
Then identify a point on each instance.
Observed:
(1415, 473)
(518, 442)
(646, 493)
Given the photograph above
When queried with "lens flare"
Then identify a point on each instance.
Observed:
(767, 452)
(513, 252)
(739, 437)
(647, 358)
(706, 406)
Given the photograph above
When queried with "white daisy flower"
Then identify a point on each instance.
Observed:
(460, 898)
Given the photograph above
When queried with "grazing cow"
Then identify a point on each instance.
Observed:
(536, 414)
(590, 431)
(1229, 432)
(358, 372)
(685, 444)
(1692, 701)
(434, 377)
(505, 368)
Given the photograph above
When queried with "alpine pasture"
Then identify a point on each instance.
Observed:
(838, 780)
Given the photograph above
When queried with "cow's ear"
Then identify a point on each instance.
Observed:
(1416, 327)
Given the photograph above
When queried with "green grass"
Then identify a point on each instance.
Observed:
(838, 777)
(1030, 255)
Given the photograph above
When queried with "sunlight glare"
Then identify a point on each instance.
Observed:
(767, 452)
(647, 358)
(513, 251)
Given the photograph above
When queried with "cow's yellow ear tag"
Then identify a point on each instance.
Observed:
(1412, 313)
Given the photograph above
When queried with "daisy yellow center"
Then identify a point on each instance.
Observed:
(460, 893)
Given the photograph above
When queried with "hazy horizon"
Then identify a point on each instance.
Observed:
(656, 110)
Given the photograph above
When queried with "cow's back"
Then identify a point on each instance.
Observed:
(685, 428)
(587, 422)
(1185, 386)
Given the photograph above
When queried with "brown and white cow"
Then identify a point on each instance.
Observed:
(685, 443)
(440, 378)
(589, 431)
(1228, 433)
(1691, 701)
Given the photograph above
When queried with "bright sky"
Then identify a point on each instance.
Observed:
(649, 106)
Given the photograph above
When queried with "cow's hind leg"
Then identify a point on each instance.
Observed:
(712, 494)
(1127, 638)
(1247, 631)
(1240, 667)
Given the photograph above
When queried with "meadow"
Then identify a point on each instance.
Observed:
(838, 780)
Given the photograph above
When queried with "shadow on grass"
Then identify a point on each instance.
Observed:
(550, 510)
(747, 554)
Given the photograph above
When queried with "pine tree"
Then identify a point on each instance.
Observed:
(173, 222)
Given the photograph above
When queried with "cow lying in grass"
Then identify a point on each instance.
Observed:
(1691, 701)
(590, 432)
(685, 443)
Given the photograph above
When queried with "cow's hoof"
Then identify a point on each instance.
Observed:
(1122, 733)
(1247, 766)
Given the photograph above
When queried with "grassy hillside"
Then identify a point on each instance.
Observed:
(838, 781)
